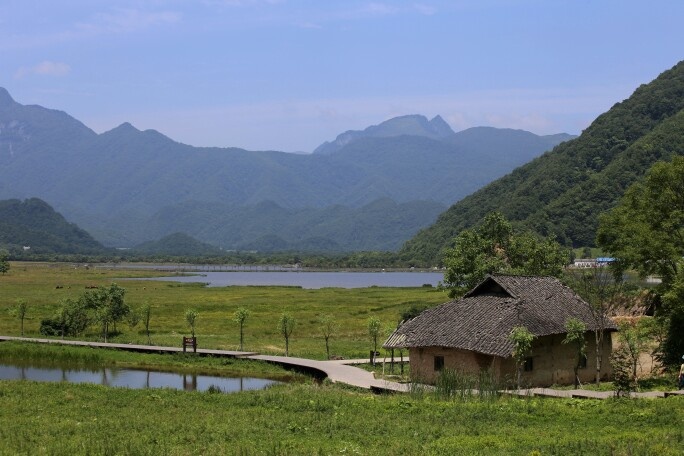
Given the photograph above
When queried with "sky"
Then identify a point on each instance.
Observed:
(290, 74)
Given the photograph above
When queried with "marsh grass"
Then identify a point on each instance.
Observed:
(41, 418)
(457, 385)
(38, 282)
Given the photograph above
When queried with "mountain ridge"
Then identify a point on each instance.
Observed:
(562, 192)
(114, 183)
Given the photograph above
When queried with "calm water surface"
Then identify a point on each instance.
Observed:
(312, 280)
(132, 378)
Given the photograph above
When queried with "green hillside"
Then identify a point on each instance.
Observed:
(563, 191)
(177, 244)
(33, 223)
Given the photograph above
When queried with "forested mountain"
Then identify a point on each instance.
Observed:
(563, 191)
(33, 223)
(177, 244)
(127, 186)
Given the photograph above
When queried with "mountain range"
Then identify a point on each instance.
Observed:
(373, 192)
(562, 192)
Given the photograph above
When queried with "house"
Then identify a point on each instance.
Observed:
(472, 333)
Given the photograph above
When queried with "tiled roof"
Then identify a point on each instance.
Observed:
(482, 320)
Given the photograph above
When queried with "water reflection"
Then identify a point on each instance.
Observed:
(132, 378)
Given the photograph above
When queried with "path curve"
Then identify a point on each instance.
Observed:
(336, 371)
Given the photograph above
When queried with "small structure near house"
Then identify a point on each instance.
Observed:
(472, 333)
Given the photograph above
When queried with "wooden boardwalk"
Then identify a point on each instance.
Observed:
(338, 371)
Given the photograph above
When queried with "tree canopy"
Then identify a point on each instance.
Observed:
(645, 232)
(494, 247)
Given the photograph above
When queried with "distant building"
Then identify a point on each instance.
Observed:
(472, 334)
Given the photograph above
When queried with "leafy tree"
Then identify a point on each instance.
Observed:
(286, 325)
(599, 287)
(329, 328)
(146, 314)
(634, 339)
(494, 247)
(70, 319)
(623, 380)
(645, 232)
(522, 340)
(374, 327)
(4, 262)
(240, 317)
(575, 331)
(191, 316)
(107, 305)
(19, 311)
(412, 312)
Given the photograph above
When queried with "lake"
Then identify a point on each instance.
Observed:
(132, 378)
(312, 280)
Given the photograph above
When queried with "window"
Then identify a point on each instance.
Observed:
(528, 364)
(439, 363)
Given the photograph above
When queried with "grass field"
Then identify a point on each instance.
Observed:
(64, 419)
(299, 418)
(351, 308)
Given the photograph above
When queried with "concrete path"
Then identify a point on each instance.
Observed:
(586, 394)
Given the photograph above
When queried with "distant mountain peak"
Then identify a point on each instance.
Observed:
(5, 98)
(411, 125)
(125, 127)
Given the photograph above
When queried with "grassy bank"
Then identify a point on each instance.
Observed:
(42, 418)
(44, 284)
(60, 355)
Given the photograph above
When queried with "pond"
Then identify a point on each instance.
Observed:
(312, 280)
(132, 378)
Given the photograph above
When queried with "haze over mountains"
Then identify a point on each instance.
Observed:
(564, 191)
(367, 190)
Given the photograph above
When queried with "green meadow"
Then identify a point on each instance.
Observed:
(301, 417)
(351, 308)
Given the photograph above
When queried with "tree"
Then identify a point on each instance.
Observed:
(329, 328)
(107, 305)
(634, 337)
(494, 247)
(374, 326)
(599, 287)
(4, 262)
(286, 325)
(240, 317)
(575, 334)
(522, 340)
(146, 314)
(70, 319)
(191, 316)
(19, 312)
(645, 232)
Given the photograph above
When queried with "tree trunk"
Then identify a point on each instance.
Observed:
(599, 354)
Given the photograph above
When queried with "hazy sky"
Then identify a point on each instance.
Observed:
(288, 74)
